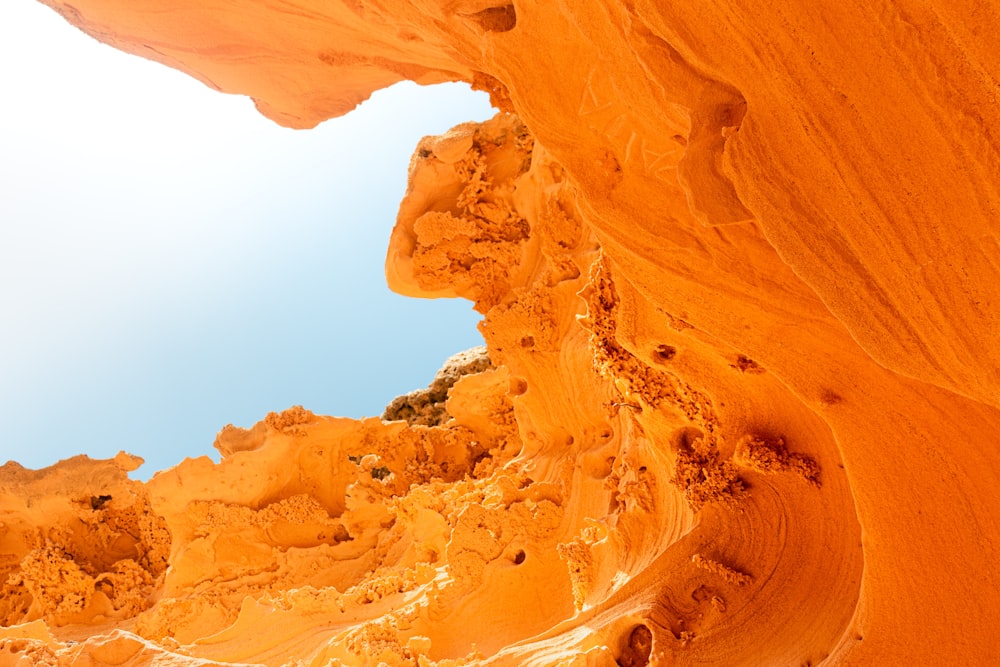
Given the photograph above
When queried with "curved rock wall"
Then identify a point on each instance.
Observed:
(738, 267)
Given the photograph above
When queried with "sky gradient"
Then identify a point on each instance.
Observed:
(171, 261)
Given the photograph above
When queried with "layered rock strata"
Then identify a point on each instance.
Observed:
(738, 269)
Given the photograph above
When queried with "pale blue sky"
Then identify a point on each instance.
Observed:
(171, 261)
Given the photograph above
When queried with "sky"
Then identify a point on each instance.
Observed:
(172, 262)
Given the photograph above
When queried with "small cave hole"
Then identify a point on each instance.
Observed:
(638, 648)
(519, 557)
(517, 386)
(683, 439)
(528, 341)
(665, 353)
(98, 502)
(496, 19)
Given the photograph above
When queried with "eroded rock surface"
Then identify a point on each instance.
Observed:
(738, 268)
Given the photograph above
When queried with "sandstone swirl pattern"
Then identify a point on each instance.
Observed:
(738, 268)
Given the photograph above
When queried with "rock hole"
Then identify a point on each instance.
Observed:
(745, 364)
(97, 502)
(519, 557)
(517, 386)
(640, 645)
(496, 19)
(528, 341)
(683, 439)
(665, 353)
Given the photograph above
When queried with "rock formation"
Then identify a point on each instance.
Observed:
(739, 273)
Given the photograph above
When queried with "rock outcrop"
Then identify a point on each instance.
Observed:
(429, 406)
(739, 273)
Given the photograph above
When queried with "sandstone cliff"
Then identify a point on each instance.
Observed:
(739, 273)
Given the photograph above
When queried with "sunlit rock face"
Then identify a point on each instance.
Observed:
(738, 267)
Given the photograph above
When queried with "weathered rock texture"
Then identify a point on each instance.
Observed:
(739, 272)
(429, 406)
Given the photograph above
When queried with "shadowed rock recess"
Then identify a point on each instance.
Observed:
(739, 273)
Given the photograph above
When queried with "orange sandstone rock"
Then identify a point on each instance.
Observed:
(738, 267)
